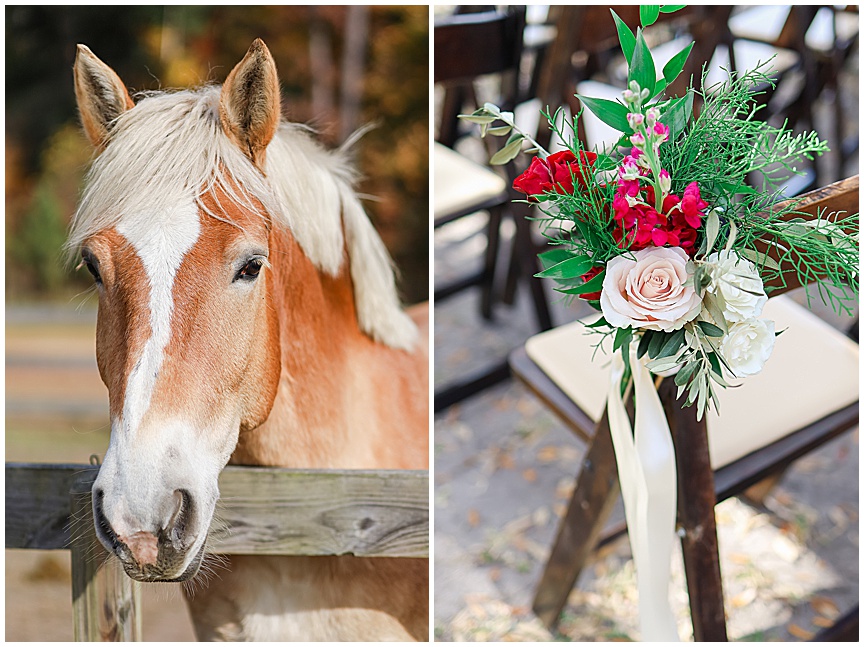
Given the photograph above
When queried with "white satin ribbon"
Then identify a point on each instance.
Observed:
(647, 474)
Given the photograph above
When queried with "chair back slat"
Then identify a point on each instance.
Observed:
(471, 45)
(841, 196)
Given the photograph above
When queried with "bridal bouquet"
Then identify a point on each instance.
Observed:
(671, 237)
(665, 235)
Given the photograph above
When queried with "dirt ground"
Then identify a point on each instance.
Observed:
(57, 412)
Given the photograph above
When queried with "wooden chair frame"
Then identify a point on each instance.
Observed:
(700, 487)
(484, 43)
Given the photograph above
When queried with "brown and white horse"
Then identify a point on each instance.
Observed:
(247, 314)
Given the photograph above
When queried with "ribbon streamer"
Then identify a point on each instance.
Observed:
(647, 474)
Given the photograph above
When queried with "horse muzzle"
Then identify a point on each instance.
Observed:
(160, 556)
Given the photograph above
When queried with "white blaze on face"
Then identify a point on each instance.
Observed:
(149, 458)
(161, 241)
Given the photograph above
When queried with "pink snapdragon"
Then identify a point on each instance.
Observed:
(661, 133)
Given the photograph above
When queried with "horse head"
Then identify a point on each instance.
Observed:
(187, 334)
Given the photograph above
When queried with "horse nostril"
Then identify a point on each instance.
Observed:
(176, 528)
(107, 534)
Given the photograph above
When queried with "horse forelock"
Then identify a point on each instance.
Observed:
(171, 148)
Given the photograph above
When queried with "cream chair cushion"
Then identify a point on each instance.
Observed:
(461, 183)
(812, 372)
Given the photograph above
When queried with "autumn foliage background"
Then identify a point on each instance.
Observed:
(340, 68)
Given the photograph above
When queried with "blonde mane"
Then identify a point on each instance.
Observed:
(171, 148)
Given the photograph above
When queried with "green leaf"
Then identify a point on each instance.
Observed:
(642, 68)
(683, 376)
(500, 130)
(716, 311)
(648, 14)
(598, 324)
(678, 114)
(643, 343)
(594, 285)
(510, 151)
(656, 343)
(554, 256)
(710, 329)
(605, 163)
(625, 37)
(715, 363)
(675, 65)
(622, 338)
(662, 364)
(673, 343)
(569, 269)
(478, 119)
(609, 112)
(737, 189)
(712, 229)
(758, 258)
(671, 8)
(625, 355)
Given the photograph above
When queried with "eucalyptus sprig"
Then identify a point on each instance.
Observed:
(488, 115)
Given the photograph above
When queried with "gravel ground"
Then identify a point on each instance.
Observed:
(504, 471)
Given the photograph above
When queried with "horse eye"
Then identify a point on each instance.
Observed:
(249, 272)
(92, 265)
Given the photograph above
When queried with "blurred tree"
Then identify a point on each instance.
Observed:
(156, 47)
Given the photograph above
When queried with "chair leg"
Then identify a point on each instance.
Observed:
(493, 237)
(592, 502)
(509, 294)
(529, 265)
(696, 499)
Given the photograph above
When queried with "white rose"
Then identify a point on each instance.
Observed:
(748, 346)
(649, 292)
(738, 282)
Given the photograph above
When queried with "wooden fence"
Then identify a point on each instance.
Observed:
(262, 511)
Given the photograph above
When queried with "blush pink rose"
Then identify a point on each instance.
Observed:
(646, 290)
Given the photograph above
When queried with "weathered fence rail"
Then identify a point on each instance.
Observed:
(262, 511)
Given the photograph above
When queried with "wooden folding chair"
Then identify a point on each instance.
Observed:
(765, 425)
(468, 46)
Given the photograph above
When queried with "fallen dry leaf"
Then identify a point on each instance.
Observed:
(799, 632)
(824, 623)
(744, 598)
(473, 518)
(495, 573)
(739, 558)
(825, 606)
(547, 454)
(504, 461)
(529, 475)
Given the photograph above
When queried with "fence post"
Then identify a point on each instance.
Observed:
(106, 603)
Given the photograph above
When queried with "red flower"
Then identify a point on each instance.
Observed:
(641, 225)
(590, 274)
(555, 173)
(535, 180)
(692, 205)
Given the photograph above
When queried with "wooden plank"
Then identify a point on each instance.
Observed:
(106, 605)
(37, 505)
(263, 511)
(840, 196)
(272, 511)
(747, 470)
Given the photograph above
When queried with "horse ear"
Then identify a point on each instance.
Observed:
(101, 96)
(249, 105)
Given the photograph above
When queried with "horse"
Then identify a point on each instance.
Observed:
(248, 314)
